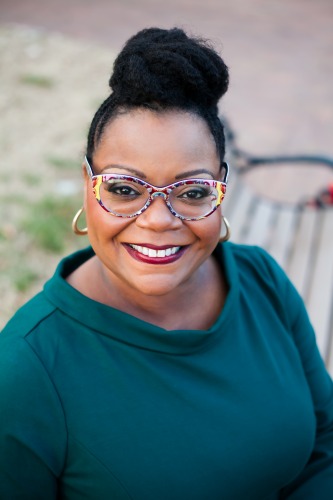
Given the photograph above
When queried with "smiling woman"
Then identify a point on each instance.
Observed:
(186, 226)
(163, 362)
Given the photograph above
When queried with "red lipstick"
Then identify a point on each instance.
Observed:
(164, 254)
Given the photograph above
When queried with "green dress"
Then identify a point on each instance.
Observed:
(97, 404)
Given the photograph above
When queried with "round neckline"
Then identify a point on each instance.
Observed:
(128, 329)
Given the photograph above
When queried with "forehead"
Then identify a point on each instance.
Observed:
(150, 140)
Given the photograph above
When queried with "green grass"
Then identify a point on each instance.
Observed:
(24, 279)
(37, 81)
(48, 223)
(31, 179)
(63, 163)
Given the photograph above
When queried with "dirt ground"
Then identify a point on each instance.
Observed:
(46, 102)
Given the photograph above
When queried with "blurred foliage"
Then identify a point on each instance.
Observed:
(24, 278)
(31, 179)
(63, 163)
(37, 80)
(48, 222)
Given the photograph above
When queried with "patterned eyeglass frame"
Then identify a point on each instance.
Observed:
(154, 191)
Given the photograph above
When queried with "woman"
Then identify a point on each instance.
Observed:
(160, 363)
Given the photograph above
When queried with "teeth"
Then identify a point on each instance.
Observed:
(156, 253)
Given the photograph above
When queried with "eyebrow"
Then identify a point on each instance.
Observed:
(133, 171)
(183, 175)
(193, 173)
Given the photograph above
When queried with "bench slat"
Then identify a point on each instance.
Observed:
(260, 224)
(282, 236)
(238, 211)
(300, 264)
(320, 296)
(300, 241)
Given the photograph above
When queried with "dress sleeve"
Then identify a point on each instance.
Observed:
(316, 479)
(32, 426)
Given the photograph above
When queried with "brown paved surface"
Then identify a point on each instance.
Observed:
(280, 55)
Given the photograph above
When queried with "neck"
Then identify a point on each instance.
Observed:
(182, 308)
(179, 309)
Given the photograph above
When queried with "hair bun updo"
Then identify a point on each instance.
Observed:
(165, 69)
(169, 68)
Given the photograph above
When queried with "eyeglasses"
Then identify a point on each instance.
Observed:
(127, 196)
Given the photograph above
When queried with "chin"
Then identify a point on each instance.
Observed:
(157, 286)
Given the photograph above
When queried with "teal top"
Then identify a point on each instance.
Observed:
(98, 404)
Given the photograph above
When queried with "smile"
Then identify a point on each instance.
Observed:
(151, 252)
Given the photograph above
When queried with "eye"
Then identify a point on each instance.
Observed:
(121, 189)
(195, 192)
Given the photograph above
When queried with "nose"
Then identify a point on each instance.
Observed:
(158, 216)
(158, 193)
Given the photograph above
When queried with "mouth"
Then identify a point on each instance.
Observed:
(155, 255)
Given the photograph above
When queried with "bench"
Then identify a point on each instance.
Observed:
(301, 240)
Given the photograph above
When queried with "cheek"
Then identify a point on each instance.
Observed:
(101, 225)
(97, 217)
(94, 212)
(208, 230)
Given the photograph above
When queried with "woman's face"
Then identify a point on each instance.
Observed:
(159, 148)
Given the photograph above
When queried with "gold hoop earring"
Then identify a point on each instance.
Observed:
(227, 233)
(75, 228)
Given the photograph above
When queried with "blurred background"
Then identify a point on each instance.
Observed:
(55, 61)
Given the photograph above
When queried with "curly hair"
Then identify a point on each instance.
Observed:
(161, 70)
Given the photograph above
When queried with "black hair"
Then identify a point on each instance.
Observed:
(163, 70)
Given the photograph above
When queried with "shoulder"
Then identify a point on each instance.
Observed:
(255, 262)
(27, 318)
(39, 312)
(16, 352)
(20, 364)
(32, 419)
(263, 282)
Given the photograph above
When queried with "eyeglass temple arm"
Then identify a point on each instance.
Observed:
(88, 167)
(225, 166)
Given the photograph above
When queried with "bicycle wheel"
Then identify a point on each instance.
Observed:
(289, 180)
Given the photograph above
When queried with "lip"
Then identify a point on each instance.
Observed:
(155, 260)
(154, 247)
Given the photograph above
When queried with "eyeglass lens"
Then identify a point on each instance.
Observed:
(127, 197)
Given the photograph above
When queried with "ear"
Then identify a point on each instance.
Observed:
(224, 172)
